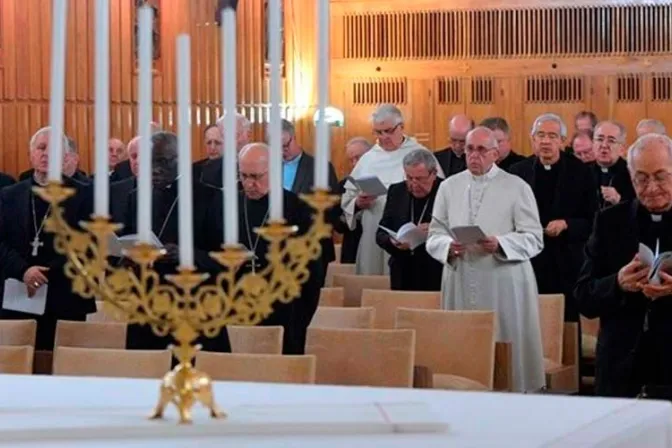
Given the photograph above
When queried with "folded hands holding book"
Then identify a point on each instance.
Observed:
(649, 273)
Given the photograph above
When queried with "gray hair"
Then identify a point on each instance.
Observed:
(421, 157)
(359, 141)
(288, 127)
(622, 132)
(492, 140)
(46, 130)
(657, 125)
(71, 146)
(543, 118)
(643, 142)
(241, 121)
(387, 112)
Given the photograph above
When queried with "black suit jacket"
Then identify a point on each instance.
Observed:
(409, 270)
(450, 163)
(6, 180)
(303, 184)
(510, 160)
(613, 244)
(119, 194)
(80, 176)
(575, 202)
(15, 219)
(121, 171)
(620, 180)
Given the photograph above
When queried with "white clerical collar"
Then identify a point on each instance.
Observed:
(604, 169)
(656, 218)
(494, 170)
(547, 167)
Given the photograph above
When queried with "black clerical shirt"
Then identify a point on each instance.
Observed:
(544, 193)
(45, 240)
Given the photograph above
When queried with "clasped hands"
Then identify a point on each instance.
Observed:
(488, 245)
(633, 277)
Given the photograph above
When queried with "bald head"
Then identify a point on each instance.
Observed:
(458, 128)
(253, 170)
(355, 149)
(132, 151)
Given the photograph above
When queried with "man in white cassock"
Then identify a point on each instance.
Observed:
(383, 160)
(494, 273)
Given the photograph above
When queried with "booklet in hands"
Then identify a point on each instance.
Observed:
(409, 234)
(656, 261)
(465, 235)
(119, 245)
(369, 185)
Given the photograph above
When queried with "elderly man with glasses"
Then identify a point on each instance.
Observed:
(610, 170)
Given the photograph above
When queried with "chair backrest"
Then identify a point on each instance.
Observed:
(331, 296)
(104, 313)
(90, 334)
(362, 357)
(386, 303)
(353, 285)
(335, 268)
(552, 323)
(18, 332)
(298, 369)
(16, 359)
(338, 248)
(337, 317)
(75, 361)
(458, 343)
(259, 340)
(590, 326)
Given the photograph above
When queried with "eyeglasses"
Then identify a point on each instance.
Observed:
(478, 150)
(661, 178)
(549, 135)
(254, 177)
(604, 140)
(419, 179)
(388, 131)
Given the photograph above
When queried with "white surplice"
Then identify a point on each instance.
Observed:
(388, 166)
(502, 205)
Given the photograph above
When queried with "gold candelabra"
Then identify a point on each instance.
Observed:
(185, 306)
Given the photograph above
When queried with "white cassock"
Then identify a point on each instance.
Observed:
(502, 205)
(388, 166)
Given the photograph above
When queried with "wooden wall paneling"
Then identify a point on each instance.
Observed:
(418, 114)
(599, 97)
(22, 44)
(449, 100)
(340, 99)
(127, 65)
(481, 97)
(628, 94)
(659, 99)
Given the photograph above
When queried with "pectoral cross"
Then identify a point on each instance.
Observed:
(36, 244)
(253, 264)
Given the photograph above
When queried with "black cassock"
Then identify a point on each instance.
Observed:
(566, 192)
(616, 176)
(295, 316)
(165, 219)
(350, 243)
(635, 340)
(22, 215)
(410, 270)
(450, 162)
(510, 160)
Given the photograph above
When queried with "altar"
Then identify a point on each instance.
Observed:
(55, 411)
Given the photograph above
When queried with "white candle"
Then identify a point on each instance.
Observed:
(145, 17)
(57, 103)
(275, 125)
(322, 134)
(184, 148)
(102, 108)
(230, 159)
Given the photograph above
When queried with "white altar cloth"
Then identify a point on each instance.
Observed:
(474, 419)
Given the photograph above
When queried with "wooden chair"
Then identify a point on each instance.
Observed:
(75, 361)
(258, 368)
(334, 268)
(386, 303)
(353, 285)
(562, 369)
(337, 317)
(256, 340)
(18, 332)
(338, 249)
(362, 357)
(16, 359)
(90, 334)
(104, 313)
(458, 347)
(330, 296)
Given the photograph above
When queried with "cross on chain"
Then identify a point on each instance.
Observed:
(254, 263)
(36, 244)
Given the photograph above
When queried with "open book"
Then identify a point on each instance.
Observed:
(409, 233)
(656, 261)
(369, 185)
(119, 245)
(463, 234)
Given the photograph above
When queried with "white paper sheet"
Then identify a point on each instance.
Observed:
(467, 234)
(655, 261)
(369, 185)
(409, 233)
(16, 298)
(118, 245)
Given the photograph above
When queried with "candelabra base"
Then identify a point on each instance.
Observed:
(184, 386)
